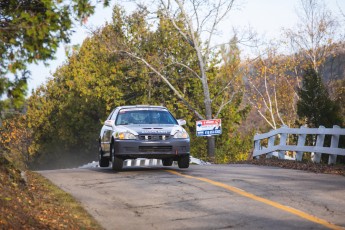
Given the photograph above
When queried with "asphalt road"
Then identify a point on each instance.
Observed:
(207, 197)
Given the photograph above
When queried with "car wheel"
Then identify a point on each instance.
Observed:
(183, 161)
(167, 162)
(102, 161)
(117, 163)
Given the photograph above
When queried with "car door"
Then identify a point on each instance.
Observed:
(106, 133)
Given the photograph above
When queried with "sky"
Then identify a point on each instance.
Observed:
(266, 17)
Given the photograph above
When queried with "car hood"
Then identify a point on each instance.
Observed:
(151, 129)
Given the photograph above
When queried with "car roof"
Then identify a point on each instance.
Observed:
(141, 107)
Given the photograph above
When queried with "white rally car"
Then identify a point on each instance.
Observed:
(143, 131)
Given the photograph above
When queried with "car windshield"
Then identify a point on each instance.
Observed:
(128, 117)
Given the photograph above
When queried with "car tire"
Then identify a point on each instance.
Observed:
(117, 163)
(183, 162)
(167, 162)
(102, 161)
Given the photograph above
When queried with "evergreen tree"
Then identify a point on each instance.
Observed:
(315, 105)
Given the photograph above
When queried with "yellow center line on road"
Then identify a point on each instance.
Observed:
(263, 200)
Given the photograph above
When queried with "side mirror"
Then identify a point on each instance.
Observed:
(109, 123)
(181, 122)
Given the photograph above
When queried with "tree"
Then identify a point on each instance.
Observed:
(316, 33)
(233, 144)
(272, 87)
(194, 21)
(315, 107)
(15, 91)
(98, 80)
(319, 43)
(31, 31)
(274, 78)
(340, 96)
(62, 130)
(15, 140)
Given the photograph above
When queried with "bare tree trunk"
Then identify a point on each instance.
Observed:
(211, 144)
(211, 148)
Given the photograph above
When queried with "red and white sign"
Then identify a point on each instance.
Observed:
(209, 127)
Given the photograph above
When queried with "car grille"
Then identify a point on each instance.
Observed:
(155, 148)
(154, 137)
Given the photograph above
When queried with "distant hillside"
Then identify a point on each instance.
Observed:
(334, 68)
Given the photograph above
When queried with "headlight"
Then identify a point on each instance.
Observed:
(181, 135)
(126, 136)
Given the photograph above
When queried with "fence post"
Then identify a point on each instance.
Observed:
(257, 146)
(334, 144)
(283, 137)
(316, 156)
(270, 144)
(300, 143)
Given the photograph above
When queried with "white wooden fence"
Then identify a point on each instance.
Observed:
(281, 136)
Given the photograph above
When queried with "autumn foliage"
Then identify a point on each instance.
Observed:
(15, 139)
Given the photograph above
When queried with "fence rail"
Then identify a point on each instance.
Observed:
(281, 135)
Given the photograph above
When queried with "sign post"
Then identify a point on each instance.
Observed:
(209, 127)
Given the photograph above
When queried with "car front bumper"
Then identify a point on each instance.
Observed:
(152, 149)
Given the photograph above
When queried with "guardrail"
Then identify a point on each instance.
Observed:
(281, 136)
